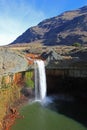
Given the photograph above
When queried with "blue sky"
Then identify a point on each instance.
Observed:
(16, 16)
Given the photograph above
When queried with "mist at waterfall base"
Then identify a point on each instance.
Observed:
(54, 112)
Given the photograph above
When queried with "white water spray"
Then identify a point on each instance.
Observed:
(40, 80)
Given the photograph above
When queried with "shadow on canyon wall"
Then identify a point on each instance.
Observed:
(70, 96)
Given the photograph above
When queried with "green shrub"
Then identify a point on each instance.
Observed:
(29, 79)
(77, 44)
(29, 83)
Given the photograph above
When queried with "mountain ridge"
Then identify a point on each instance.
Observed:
(64, 29)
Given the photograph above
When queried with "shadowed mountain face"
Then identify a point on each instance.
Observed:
(66, 29)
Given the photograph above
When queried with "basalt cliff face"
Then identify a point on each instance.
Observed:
(65, 29)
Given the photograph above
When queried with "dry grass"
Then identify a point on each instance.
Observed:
(38, 48)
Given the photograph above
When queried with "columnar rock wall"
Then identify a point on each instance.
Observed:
(70, 81)
(69, 72)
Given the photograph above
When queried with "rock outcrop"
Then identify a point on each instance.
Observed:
(11, 61)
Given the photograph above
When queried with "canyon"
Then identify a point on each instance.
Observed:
(65, 74)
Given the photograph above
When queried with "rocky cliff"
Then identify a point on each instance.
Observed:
(11, 61)
(65, 29)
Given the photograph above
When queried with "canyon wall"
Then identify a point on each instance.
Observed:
(69, 81)
(69, 72)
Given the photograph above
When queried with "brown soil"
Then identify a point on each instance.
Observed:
(13, 113)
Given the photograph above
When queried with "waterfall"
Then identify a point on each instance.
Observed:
(40, 80)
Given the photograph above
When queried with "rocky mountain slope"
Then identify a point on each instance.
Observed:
(66, 29)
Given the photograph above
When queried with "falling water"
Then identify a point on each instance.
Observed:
(40, 80)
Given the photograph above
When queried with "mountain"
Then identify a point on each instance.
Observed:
(65, 29)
